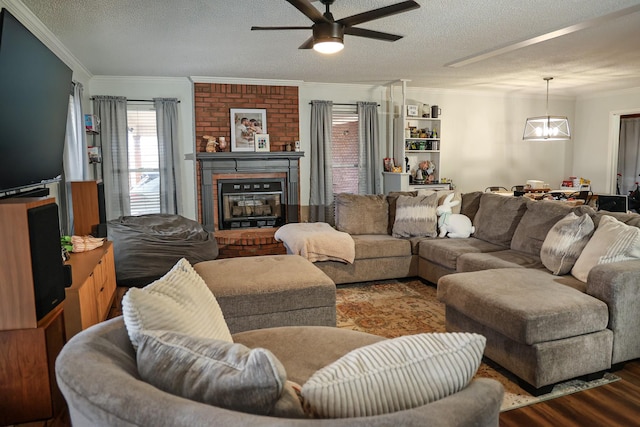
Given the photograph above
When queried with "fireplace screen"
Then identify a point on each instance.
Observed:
(250, 203)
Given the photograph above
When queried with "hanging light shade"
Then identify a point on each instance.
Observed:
(547, 128)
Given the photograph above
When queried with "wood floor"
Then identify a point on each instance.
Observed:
(615, 404)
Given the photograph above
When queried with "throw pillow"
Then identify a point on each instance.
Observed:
(361, 214)
(217, 373)
(416, 216)
(394, 375)
(565, 241)
(442, 194)
(612, 241)
(179, 301)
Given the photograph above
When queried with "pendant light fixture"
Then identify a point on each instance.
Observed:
(547, 128)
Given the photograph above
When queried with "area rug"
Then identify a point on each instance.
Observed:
(395, 308)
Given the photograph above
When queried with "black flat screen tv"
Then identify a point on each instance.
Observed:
(35, 86)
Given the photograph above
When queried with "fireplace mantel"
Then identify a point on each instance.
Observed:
(211, 164)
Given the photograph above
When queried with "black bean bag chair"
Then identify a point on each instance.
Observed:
(147, 246)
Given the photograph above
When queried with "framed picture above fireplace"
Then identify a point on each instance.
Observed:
(245, 124)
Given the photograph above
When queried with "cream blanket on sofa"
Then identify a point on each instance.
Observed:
(317, 241)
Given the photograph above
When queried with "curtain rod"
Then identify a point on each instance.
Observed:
(337, 103)
(135, 100)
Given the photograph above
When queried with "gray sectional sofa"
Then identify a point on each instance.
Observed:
(544, 328)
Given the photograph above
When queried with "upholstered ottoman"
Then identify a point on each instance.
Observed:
(269, 291)
(539, 329)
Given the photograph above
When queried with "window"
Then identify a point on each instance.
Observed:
(345, 156)
(144, 172)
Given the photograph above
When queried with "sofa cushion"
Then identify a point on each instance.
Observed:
(498, 259)
(470, 204)
(217, 373)
(536, 223)
(445, 252)
(498, 217)
(416, 216)
(565, 241)
(527, 305)
(381, 246)
(361, 214)
(179, 301)
(612, 241)
(394, 375)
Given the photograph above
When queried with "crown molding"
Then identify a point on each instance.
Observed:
(242, 81)
(29, 20)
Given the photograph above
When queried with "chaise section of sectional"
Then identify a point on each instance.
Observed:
(541, 331)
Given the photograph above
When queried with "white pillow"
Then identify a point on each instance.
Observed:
(565, 241)
(612, 241)
(394, 375)
(219, 373)
(179, 301)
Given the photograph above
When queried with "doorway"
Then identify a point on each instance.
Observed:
(628, 161)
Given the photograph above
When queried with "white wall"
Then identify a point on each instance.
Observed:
(148, 88)
(482, 138)
(597, 130)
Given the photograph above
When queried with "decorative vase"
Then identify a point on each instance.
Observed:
(222, 143)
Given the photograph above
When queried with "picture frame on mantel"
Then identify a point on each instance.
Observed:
(246, 123)
(262, 142)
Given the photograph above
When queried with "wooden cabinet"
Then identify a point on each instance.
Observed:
(93, 288)
(28, 388)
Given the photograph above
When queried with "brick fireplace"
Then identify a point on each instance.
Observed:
(260, 212)
(248, 169)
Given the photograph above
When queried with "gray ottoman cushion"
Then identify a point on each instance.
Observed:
(270, 291)
(523, 304)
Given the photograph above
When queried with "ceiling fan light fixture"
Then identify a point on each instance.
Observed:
(328, 37)
(328, 47)
(547, 128)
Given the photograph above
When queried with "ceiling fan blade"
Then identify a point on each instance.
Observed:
(370, 34)
(307, 44)
(378, 13)
(308, 9)
(279, 28)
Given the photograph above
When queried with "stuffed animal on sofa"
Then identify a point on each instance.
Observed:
(454, 225)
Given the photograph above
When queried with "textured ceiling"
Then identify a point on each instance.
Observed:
(213, 38)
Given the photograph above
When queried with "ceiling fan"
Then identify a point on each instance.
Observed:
(328, 34)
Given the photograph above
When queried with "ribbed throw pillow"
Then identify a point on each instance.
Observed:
(394, 375)
(416, 216)
(565, 241)
(179, 301)
(612, 241)
(218, 373)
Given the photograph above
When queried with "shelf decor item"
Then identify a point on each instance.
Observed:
(412, 110)
(245, 125)
(262, 142)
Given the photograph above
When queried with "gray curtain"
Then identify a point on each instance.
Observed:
(112, 112)
(629, 154)
(370, 164)
(321, 191)
(168, 153)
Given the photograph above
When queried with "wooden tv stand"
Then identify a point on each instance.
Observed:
(92, 290)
